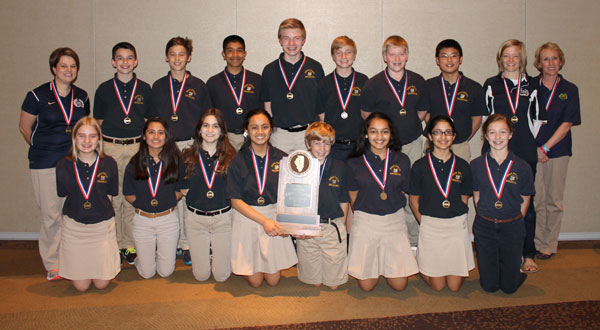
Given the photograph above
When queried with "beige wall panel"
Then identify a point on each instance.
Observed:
(574, 27)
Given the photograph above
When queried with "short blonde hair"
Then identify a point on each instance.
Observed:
(86, 121)
(342, 41)
(291, 23)
(397, 41)
(319, 131)
(522, 54)
(552, 46)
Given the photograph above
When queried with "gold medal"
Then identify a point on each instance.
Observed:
(260, 200)
(87, 205)
(344, 115)
(446, 204)
(210, 194)
(498, 204)
(402, 112)
(154, 202)
(514, 119)
(127, 120)
(289, 95)
(239, 111)
(174, 117)
(68, 130)
(383, 195)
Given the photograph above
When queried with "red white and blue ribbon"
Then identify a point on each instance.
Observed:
(86, 193)
(260, 181)
(551, 93)
(497, 191)
(290, 86)
(401, 101)
(445, 192)
(238, 100)
(128, 108)
(450, 106)
(62, 107)
(343, 102)
(212, 178)
(322, 170)
(154, 187)
(175, 103)
(381, 183)
(513, 106)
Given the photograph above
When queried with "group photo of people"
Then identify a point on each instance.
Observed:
(190, 169)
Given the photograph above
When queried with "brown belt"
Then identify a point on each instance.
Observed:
(122, 141)
(154, 215)
(500, 221)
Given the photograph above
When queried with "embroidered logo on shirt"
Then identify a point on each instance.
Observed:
(309, 73)
(395, 170)
(275, 167)
(138, 99)
(512, 178)
(563, 96)
(101, 177)
(457, 177)
(462, 96)
(356, 91)
(412, 90)
(333, 181)
(78, 103)
(249, 89)
(190, 93)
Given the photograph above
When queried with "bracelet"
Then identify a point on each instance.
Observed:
(544, 151)
(545, 148)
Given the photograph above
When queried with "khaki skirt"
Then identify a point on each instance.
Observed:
(88, 251)
(445, 247)
(379, 246)
(253, 251)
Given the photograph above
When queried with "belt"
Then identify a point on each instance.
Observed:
(180, 140)
(500, 221)
(209, 213)
(346, 142)
(337, 229)
(295, 129)
(122, 141)
(154, 215)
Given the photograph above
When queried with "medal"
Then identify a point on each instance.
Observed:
(551, 92)
(260, 181)
(209, 184)
(401, 101)
(497, 191)
(127, 120)
(381, 183)
(445, 191)
(450, 106)
(154, 186)
(290, 95)
(62, 106)
(86, 193)
(513, 107)
(238, 100)
(343, 102)
(175, 103)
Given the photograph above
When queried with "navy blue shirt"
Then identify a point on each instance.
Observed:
(196, 196)
(359, 179)
(332, 189)
(564, 108)
(49, 140)
(519, 182)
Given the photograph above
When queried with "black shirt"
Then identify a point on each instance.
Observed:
(360, 179)
(469, 102)
(332, 189)
(108, 108)
(223, 99)
(196, 196)
(302, 109)
(378, 96)
(106, 182)
(422, 184)
(328, 103)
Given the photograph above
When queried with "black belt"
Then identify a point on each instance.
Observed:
(122, 141)
(500, 220)
(337, 229)
(346, 142)
(209, 213)
(295, 128)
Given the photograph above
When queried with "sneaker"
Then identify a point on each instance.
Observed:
(187, 257)
(179, 252)
(52, 275)
(129, 254)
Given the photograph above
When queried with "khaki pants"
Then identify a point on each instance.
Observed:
(550, 184)
(181, 206)
(156, 244)
(44, 191)
(236, 140)
(414, 151)
(287, 141)
(123, 210)
(462, 150)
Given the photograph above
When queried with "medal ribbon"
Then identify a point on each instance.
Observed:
(154, 187)
(175, 104)
(86, 194)
(337, 87)
(551, 93)
(295, 78)
(322, 170)
(385, 170)
(212, 178)
(238, 100)
(445, 192)
(498, 192)
(260, 182)
(62, 106)
(513, 107)
(125, 110)
(401, 101)
(450, 107)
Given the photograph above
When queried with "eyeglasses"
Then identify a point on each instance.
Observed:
(438, 132)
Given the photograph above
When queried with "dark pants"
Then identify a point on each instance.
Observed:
(529, 245)
(342, 151)
(499, 247)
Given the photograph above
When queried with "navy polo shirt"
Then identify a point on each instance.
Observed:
(470, 102)
(49, 140)
(194, 101)
(222, 98)
(328, 103)
(108, 108)
(196, 196)
(302, 109)
(378, 96)
(564, 108)
(519, 182)
(422, 184)
(241, 178)
(359, 179)
(165, 194)
(332, 189)
(106, 182)
(523, 141)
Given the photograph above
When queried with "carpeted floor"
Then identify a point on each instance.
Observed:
(28, 301)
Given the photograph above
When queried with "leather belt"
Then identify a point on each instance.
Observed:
(295, 129)
(154, 215)
(122, 141)
(345, 142)
(209, 213)
(500, 220)
(337, 229)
